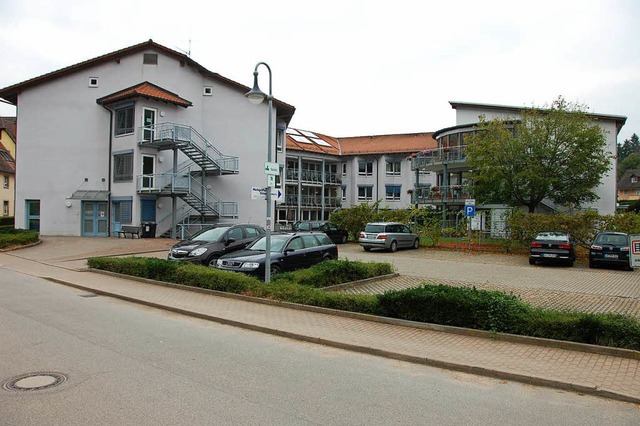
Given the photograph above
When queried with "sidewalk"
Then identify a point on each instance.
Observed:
(594, 370)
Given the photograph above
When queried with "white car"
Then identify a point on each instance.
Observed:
(388, 236)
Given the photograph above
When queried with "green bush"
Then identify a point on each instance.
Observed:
(10, 237)
(455, 306)
(334, 272)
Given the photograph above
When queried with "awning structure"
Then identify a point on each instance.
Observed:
(89, 195)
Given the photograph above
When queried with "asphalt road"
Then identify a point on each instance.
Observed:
(128, 364)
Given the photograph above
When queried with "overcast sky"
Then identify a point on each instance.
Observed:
(355, 68)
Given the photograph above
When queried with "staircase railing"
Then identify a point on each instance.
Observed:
(186, 136)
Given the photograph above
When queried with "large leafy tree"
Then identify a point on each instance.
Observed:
(628, 154)
(557, 153)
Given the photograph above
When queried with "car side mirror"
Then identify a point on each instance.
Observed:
(229, 241)
(289, 250)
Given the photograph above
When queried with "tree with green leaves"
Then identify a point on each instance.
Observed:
(557, 153)
(628, 147)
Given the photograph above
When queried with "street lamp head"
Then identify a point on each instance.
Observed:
(255, 95)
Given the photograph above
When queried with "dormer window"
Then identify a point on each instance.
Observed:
(634, 179)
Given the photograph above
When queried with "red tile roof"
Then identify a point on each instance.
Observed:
(145, 90)
(380, 144)
(8, 124)
(7, 163)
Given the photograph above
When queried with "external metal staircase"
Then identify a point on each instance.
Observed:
(188, 180)
(166, 136)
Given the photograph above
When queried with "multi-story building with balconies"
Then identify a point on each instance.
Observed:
(453, 185)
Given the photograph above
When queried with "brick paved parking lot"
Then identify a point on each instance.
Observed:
(557, 287)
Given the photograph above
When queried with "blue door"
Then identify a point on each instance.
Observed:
(94, 218)
(33, 215)
(148, 210)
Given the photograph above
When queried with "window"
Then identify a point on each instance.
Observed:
(251, 232)
(5, 208)
(393, 168)
(365, 168)
(122, 210)
(392, 192)
(344, 169)
(5, 184)
(365, 193)
(150, 59)
(207, 91)
(280, 139)
(93, 81)
(634, 179)
(344, 192)
(124, 120)
(235, 233)
(123, 167)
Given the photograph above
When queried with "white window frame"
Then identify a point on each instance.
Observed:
(367, 170)
(368, 193)
(392, 170)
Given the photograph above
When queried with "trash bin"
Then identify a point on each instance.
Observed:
(148, 229)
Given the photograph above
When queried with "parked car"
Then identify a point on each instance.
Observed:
(207, 245)
(610, 248)
(552, 247)
(389, 236)
(337, 235)
(289, 251)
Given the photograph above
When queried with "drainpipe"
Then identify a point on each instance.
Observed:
(109, 171)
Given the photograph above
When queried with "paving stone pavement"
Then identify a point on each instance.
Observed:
(582, 368)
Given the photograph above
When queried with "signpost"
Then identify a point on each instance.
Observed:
(634, 251)
(259, 193)
(469, 211)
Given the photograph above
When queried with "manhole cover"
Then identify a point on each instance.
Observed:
(34, 381)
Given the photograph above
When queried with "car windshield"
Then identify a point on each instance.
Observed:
(614, 239)
(277, 243)
(211, 235)
(374, 228)
(552, 236)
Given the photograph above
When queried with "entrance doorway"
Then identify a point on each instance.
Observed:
(94, 218)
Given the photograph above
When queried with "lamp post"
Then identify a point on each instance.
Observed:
(256, 97)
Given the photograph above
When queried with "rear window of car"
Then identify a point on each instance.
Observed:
(374, 228)
(620, 240)
(555, 236)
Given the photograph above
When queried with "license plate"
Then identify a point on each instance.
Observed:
(549, 255)
(611, 256)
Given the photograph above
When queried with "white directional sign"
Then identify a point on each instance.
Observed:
(272, 168)
(470, 202)
(258, 193)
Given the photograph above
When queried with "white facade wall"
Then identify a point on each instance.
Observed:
(607, 189)
(64, 138)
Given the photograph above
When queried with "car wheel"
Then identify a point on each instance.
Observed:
(211, 262)
(275, 270)
(327, 257)
(367, 248)
(344, 239)
(394, 246)
(416, 244)
(532, 261)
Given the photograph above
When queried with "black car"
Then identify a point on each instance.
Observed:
(552, 247)
(289, 251)
(209, 244)
(337, 235)
(610, 248)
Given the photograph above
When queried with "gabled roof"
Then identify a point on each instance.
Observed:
(625, 180)
(7, 163)
(8, 124)
(388, 144)
(10, 93)
(145, 90)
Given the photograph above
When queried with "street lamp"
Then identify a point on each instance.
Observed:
(256, 97)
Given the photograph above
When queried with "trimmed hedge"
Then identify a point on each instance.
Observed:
(8, 221)
(10, 237)
(285, 288)
(501, 312)
(439, 304)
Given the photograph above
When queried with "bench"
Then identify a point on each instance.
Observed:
(129, 229)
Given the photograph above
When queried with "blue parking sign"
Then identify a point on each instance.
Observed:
(469, 211)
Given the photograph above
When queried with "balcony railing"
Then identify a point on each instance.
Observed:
(312, 201)
(452, 194)
(313, 176)
(432, 157)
